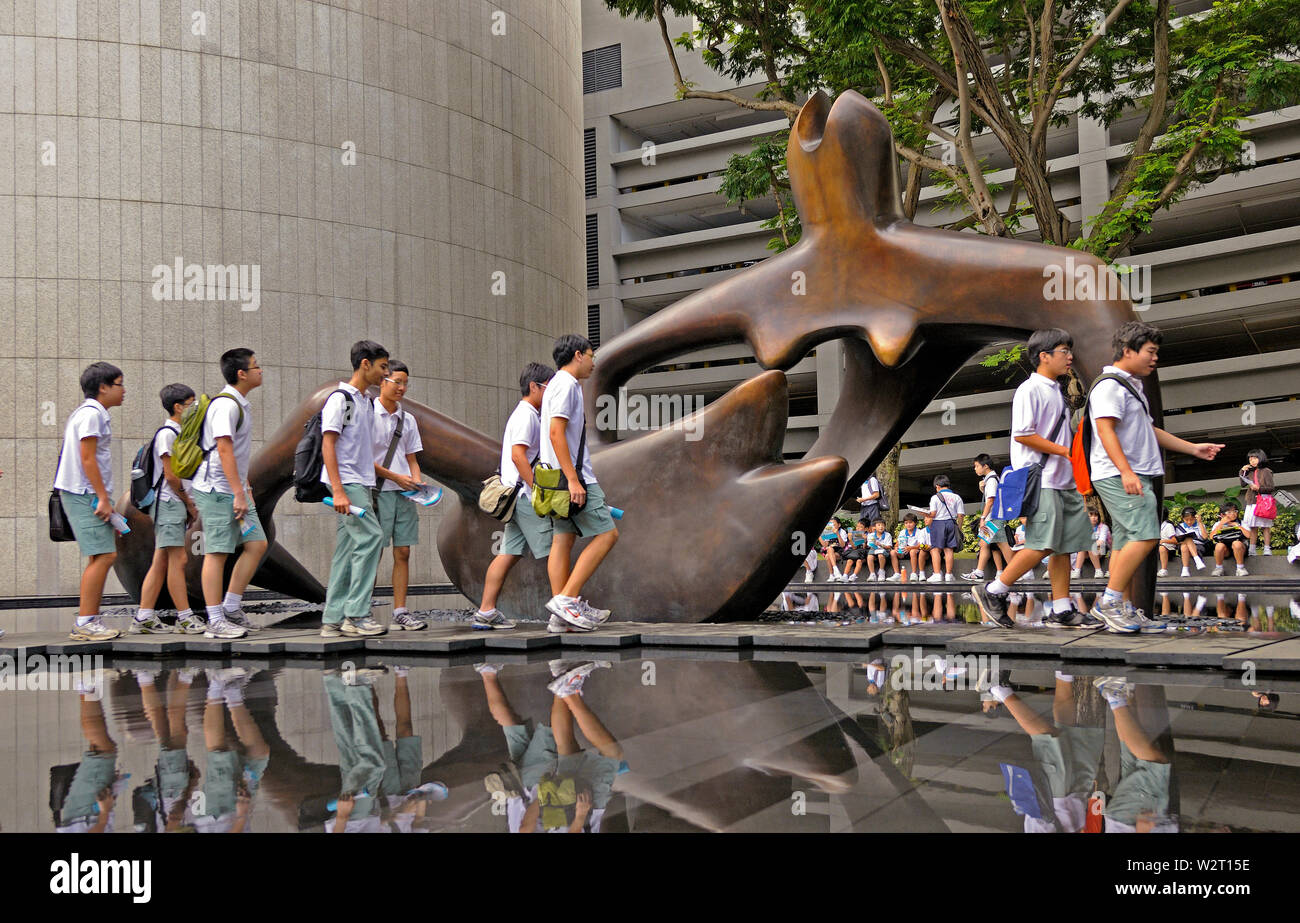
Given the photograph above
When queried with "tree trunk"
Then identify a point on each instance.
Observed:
(887, 474)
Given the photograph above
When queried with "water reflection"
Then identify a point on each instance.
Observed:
(655, 744)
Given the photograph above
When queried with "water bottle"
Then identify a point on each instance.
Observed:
(616, 512)
(118, 521)
(357, 511)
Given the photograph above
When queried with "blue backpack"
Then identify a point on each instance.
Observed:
(1011, 492)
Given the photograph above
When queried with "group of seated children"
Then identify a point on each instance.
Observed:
(846, 550)
(1186, 536)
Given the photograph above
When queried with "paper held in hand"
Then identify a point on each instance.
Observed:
(427, 495)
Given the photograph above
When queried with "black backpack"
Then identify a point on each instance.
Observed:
(145, 478)
(307, 459)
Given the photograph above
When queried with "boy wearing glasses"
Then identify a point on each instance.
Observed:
(1040, 434)
(396, 469)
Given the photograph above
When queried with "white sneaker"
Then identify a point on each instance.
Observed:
(1218, 571)
(570, 611)
(94, 630)
(1185, 573)
(1200, 565)
(486, 621)
(1242, 572)
(1074, 574)
(973, 575)
(599, 616)
(807, 576)
(224, 630)
(240, 617)
(1104, 573)
(897, 578)
(1162, 573)
(935, 578)
(880, 574)
(919, 575)
(851, 578)
(1268, 550)
(557, 625)
(949, 578)
(362, 627)
(871, 578)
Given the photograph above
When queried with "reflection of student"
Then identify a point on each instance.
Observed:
(361, 750)
(799, 602)
(176, 774)
(86, 792)
(551, 784)
(403, 800)
(1053, 796)
(235, 767)
(1140, 801)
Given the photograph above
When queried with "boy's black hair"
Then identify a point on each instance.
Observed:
(538, 372)
(1273, 699)
(234, 361)
(862, 522)
(877, 520)
(1134, 335)
(1230, 505)
(174, 394)
(97, 374)
(566, 346)
(367, 349)
(1186, 510)
(984, 459)
(941, 480)
(397, 365)
(1260, 454)
(910, 517)
(1045, 341)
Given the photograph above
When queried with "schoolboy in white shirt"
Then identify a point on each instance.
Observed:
(224, 499)
(396, 470)
(1125, 458)
(84, 480)
(348, 470)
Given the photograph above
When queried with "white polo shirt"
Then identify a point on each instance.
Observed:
(89, 419)
(1135, 428)
(385, 425)
(162, 446)
(871, 486)
(221, 420)
(945, 504)
(355, 449)
(563, 398)
(523, 428)
(1036, 410)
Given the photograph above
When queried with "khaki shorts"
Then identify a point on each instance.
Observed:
(169, 524)
(526, 531)
(94, 536)
(592, 519)
(1132, 518)
(1060, 524)
(399, 520)
(220, 530)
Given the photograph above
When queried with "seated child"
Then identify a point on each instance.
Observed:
(1227, 534)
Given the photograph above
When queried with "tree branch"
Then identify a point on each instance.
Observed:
(1039, 134)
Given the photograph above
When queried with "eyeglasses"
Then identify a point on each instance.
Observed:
(1064, 349)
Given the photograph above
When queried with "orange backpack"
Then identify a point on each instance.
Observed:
(1081, 446)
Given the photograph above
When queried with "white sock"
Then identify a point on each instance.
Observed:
(1200, 565)
(216, 690)
(1002, 693)
(401, 671)
(86, 619)
(234, 695)
(997, 587)
(184, 614)
(835, 571)
(143, 677)
(400, 609)
(143, 615)
(1185, 573)
(215, 615)
(1112, 596)
(1117, 702)
(232, 601)
(1064, 677)
(185, 676)
(1061, 605)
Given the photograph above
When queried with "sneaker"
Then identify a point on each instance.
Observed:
(834, 578)
(1268, 551)
(362, 627)
(230, 676)
(919, 575)
(880, 574)
(1089, 621)
(1104, 573)
(897, 578)
(331, 630)
(1075, 574)
(1185, 573)
(852, 577)
(1070, 618)
(807, 576)
(1030, 575)
(94, 630)
(1117, 618)
(1162, 573)
(364, 676)
(1145, 623)
(240, 617)
(949, 578)
(570, 611)
(599, 616)
(150, 626)
(871, 578)
(486, 621)
(1114, 689)
(489, 669)
(192, 624)
(1200, 564)
(571, 682)
(993, 606)
(973, 575)
(1218, 571)
(404, 621)
(224, 630)
(558, 625)
(935, 578)
(1242, 572)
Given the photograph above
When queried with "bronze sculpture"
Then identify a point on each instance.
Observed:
(910, 304)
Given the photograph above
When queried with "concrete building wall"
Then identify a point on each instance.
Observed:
(139, 132)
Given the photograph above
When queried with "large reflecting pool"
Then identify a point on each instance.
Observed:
(657, 740)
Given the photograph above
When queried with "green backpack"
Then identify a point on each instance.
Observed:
(187, 453)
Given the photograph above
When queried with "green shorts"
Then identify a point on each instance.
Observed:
(403, 761)
(225, 769)
(1060, 524)
(533, 751)
(526, 531)
(1143, 788)
(169, 524)
(220, 530)
(96, 772)
(173, 773)
(593, 768)
(1070, 759)
(94, 536)
(592, 519)
(1132, 518)
(399, 520)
